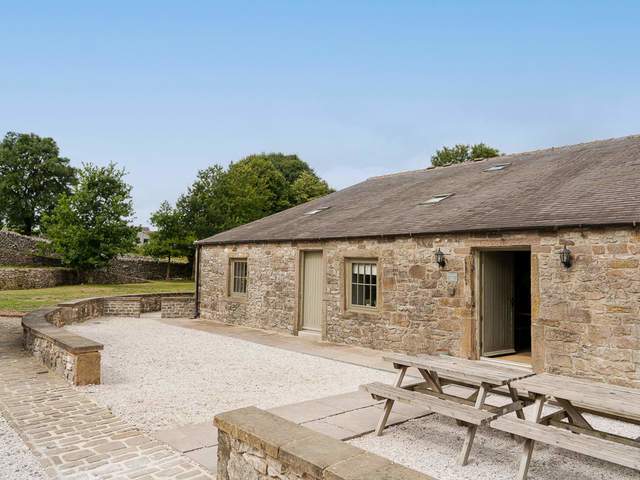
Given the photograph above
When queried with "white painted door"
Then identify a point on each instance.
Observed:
(312, 291)
(497, 303)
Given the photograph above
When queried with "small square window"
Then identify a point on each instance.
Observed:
(238, 277)
(363, 284)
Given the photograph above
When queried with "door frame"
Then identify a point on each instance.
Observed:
(299, 320)
(477, 260)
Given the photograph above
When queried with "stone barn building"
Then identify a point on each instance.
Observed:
(531, 257)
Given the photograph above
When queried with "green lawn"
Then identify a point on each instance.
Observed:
(26, 300)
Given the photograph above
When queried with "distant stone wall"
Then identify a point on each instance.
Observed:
(20, 250)
(257, 445)
(178, 307)
(146, 268)
(22, 278)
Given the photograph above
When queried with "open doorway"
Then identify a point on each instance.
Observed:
(505, 284)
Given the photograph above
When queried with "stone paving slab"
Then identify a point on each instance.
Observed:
(73, 437)
(189, 437)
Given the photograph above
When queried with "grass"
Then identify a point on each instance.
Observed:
(27, 300)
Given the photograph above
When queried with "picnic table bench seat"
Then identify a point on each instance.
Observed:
(593, 446)
(463, 411)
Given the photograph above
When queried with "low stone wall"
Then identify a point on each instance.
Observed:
(122, 307)
(71, 356)
(257, 445)
(21, 278)
(178, 307)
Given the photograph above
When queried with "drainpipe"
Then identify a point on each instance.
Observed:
(196, 266)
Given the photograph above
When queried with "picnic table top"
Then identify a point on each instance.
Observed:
(600, 397)
(472, 371)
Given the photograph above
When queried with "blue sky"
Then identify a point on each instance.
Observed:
(355, 88)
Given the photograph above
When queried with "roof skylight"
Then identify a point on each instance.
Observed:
(316, 210)
(497, 168)
(436, 199)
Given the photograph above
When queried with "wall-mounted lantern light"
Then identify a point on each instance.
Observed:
(439, 257)
(565, 257)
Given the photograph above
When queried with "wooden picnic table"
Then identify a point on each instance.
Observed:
(481, 376)
(575, 397)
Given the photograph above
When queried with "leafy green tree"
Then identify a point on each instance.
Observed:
(461, 153)
(33, 175)
(170, 239)
(307, 187)
(91, 225)
(252, 188)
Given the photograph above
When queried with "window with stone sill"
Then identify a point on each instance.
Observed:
(238, 274)
(362, 290)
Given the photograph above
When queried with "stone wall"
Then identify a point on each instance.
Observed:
(21, 278)
(257, 445)
(178, 307)
(71, 356)
(585, 320)
(122, 307)
(20, 250)
(75, 358)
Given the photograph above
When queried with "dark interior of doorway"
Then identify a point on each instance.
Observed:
(521, 307)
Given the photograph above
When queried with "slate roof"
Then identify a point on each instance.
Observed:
(595, 183)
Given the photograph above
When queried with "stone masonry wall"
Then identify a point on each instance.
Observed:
(17, 278)
(178, 307)
(257, 445)
(585, 320)
(21, 250)
(122, 307)
(55, 357)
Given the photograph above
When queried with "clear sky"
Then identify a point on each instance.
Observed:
(354, 88)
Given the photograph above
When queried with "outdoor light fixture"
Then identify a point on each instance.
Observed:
(440, 258)
(565, 257)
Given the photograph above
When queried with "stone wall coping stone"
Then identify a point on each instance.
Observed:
(309, 453)
(37, 322)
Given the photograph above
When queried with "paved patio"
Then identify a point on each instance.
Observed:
(72, 436)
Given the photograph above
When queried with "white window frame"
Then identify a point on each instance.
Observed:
(232, 277)
(349, 263)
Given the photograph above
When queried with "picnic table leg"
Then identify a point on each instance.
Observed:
(514, 396)
(388, 404)
(574, 415)
(471, 429)
(527, 447)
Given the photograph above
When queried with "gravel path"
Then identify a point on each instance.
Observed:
(432, 444)
(16, 460)
(159, 376)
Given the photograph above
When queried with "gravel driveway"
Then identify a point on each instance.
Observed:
(16, 460)
(160, 376)
(432, 444)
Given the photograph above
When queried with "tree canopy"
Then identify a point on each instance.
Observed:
(461, 153)
(169, 240)
(91, 225)
(33, 175)
(249, 189)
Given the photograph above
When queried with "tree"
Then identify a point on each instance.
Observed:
(252, 188)
(91, 225)
(307, 187)
(170, 239)
(461, 153)
(32, 178)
